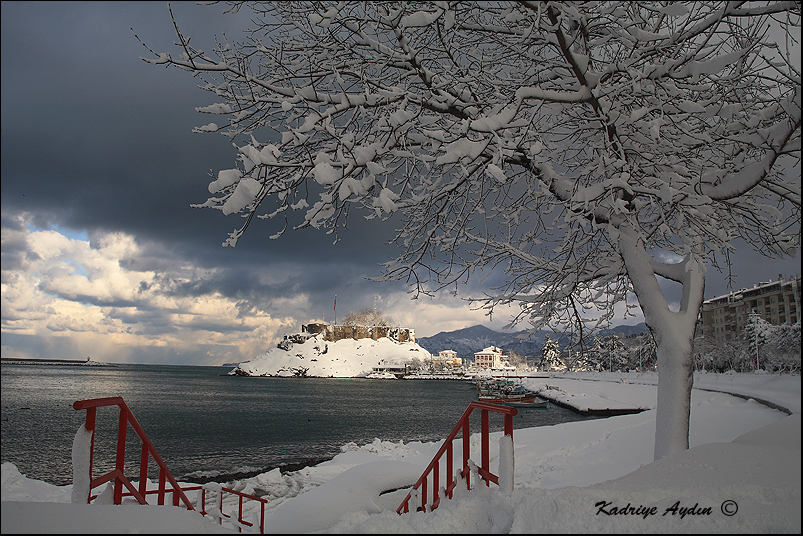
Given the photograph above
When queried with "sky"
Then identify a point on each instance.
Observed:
(103, 256)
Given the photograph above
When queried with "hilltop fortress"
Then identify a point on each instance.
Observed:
(336, 333)
(326, 351)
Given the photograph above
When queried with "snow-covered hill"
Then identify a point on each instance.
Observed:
(345, 358)
(466, 341)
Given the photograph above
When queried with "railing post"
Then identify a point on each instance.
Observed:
(143, 470)
(240, 513)
(220, 505)
(162, 479)
(424, 494)
(90, 427)
(486, 456)
(449, 470)
(436, 480)
(466, 452)
(120, 461)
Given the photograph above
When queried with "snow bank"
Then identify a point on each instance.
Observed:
(42, 518)
(749, 485)
(356, 489)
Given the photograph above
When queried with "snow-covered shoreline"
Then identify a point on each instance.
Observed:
(741, 451)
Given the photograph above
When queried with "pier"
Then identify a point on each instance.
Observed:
(588, 403)
(35, 360)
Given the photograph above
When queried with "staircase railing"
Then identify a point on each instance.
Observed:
(118, 474)
(218, 511)
(148, 451)
(447, 449)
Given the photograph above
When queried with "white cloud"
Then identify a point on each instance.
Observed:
(71, 288)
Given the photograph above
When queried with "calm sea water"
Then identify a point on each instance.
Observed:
(207, 425)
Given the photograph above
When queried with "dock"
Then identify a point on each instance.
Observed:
(588, 404)
(36, 360)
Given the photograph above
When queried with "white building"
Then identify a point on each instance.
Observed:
(777, 302)
(491, 357)
(447, 358)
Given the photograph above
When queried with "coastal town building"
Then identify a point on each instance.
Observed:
(397, 370)
(490, 357)
(777, 302)
(447, 359)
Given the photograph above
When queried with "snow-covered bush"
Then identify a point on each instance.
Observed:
(778, 349)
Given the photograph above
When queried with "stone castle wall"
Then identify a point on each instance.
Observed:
(336, 333)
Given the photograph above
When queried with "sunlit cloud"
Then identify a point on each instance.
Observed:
(63, 288)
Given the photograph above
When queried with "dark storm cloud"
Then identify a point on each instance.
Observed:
(95, 140)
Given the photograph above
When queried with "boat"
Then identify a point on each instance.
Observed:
(529, 405)
(508, 399)
(381, 376)
(506, 393)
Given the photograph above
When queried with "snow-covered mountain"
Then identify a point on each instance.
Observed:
(474, 339)
(346, 358)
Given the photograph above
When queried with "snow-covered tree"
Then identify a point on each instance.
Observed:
(642, 355)
(769, 347)
(757, 332)
(779, 349)
(517, 359)
(609, 353)
(783, 350)
(550, 356)
(365, 317)
(576, 145)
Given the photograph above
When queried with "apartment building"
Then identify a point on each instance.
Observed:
(777, 302)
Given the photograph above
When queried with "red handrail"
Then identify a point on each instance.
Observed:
(148, 450)
(118, 474)
(242, 496)
(446, 448)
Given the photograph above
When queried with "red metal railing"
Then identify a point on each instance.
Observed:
(219, 514)
(148, 451)
(446, 448)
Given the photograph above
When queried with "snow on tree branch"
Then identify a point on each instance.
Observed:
(523, 128)
(563, 143)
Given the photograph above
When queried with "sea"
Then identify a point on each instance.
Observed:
(209, 426)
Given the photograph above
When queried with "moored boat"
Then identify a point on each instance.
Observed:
(505, 399)
(507, 393)
(529, 405)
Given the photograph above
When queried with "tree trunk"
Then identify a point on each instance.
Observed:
(673, 333)
(675, 379)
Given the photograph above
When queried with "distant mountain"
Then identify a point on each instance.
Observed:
(625, 331)
(466, 341)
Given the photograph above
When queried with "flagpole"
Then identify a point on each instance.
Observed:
(335, 309)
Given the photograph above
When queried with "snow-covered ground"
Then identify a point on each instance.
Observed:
(742, 474)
